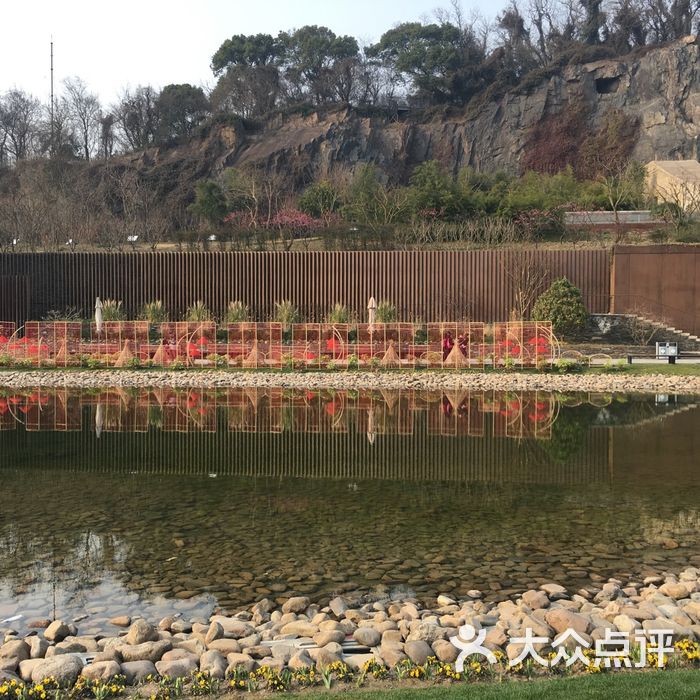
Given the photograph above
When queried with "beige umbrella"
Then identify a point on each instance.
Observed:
(98, 316)
(99, 420)
(371, 435)
(371, 312)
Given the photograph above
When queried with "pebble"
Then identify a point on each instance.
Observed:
(396, 628)
(426, 380)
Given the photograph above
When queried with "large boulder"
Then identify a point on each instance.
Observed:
(562, 620)
(418, 651)
(57, 631)
(296, 605)
(148, 651)
(225, 646)
(137, 672)
(15, 649)
(140, 632)
(367, 636)
(243, 661)
(214, 663)
(234, 628)
(300, 628)
(65, 668)
(177, 668)
(101, 670)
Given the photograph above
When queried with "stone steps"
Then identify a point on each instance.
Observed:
(668, 329)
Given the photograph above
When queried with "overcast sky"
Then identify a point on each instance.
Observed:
(132, 42)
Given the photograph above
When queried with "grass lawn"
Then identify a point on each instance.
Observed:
(682, 370)
(656, 685)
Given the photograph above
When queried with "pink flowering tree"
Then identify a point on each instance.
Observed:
(292, 224)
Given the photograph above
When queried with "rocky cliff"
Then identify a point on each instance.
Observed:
(659, 90)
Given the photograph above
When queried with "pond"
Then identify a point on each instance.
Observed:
(159, 501)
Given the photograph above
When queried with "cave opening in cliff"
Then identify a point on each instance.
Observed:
(607, 86)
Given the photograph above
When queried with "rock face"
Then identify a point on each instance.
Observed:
(660, 89)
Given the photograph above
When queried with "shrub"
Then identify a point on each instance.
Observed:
(286, 313)
(611, 368)
(320, 200)
(566, 366)
(236, 312)
(112, 310)
(198, 312)
(338, 314)
(218, 360)
(386, 312)
(154, 312)
(70, 313)
(421, 336)
(562, 304)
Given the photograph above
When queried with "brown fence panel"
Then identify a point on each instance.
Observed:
(14, 297)
(659, 282)
(478, 285)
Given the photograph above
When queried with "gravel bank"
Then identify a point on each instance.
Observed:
(516, 381)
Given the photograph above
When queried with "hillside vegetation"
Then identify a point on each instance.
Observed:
(448, 132)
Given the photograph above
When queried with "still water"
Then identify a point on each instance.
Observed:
(154, 501)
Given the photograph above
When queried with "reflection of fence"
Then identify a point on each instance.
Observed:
(273, 410)
(273, 433)
(451, 345)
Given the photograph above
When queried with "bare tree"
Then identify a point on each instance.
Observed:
(106, 135)
(57, 137)
(527, 279)
(682, 199)
(19, 120)
(83, 109)
(136, 117)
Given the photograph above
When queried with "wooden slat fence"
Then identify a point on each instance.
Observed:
(659, 282)
(428, 285)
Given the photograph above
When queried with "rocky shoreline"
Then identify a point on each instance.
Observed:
(356, 636)
(389, 380)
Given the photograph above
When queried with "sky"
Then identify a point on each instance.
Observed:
(129, 43)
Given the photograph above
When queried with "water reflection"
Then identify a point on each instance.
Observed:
(156, 501)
